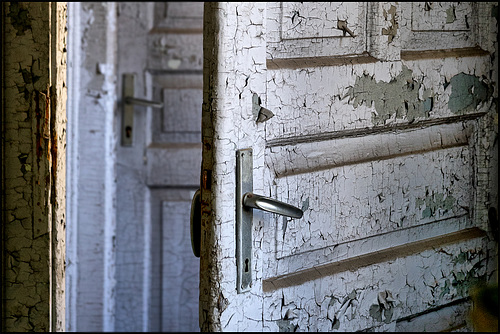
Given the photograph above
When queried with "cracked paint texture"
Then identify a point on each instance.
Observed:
(33, 186)
(373, 194)
(449, 25)
(374, 94)
(399, 96)
(388, 159)
(302, 29)
(442, 16)
(355, 300)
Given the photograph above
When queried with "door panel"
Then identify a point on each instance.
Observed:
(447, 24)
(368, 99)
(376, 136)
(302, 29)
(380, 196)
(180, 276)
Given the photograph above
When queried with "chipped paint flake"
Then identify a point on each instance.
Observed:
(468, 92)
(392, 30)
(399, 98)
(450, 15)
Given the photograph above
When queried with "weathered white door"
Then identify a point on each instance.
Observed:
(377, 120)
(130, 265)
(159, 45)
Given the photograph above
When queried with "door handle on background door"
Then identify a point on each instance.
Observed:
(142, 102)
(128, 108)
(271, 205)
(246, 201)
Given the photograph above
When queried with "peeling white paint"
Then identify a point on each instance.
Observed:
(374, 148)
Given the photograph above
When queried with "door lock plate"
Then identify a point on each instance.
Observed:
(128, 103)
(244, 217)
(128, 111)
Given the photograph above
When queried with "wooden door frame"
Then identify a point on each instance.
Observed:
(33, 165)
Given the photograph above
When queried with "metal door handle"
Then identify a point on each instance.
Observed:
(246, 200)
(142, 102)
(271, 205)
(128, 108)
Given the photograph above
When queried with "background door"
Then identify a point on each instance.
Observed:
(130, 262)
(379, 123)
(160, 44)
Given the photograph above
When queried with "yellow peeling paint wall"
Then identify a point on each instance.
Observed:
(33, 165)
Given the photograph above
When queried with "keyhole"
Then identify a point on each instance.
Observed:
(246, 265)
(128, 131)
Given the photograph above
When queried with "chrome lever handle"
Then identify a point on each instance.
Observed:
(142, 102)
(271, 205)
